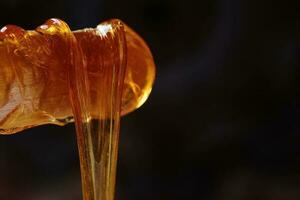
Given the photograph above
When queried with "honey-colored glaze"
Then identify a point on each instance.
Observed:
(96, 86)
(35, 71)
(53, 75)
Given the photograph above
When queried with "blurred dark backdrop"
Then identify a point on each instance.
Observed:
(222, 122)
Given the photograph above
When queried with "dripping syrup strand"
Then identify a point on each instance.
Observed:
(98, 120)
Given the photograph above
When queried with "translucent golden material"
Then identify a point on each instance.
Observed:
(52, 75)
(34, 71)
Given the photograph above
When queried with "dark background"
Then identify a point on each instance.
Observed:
(222, 122)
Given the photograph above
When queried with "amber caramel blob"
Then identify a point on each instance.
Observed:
(35, 71)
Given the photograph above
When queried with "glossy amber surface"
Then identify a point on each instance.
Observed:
(35, 77)
(96, 86)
